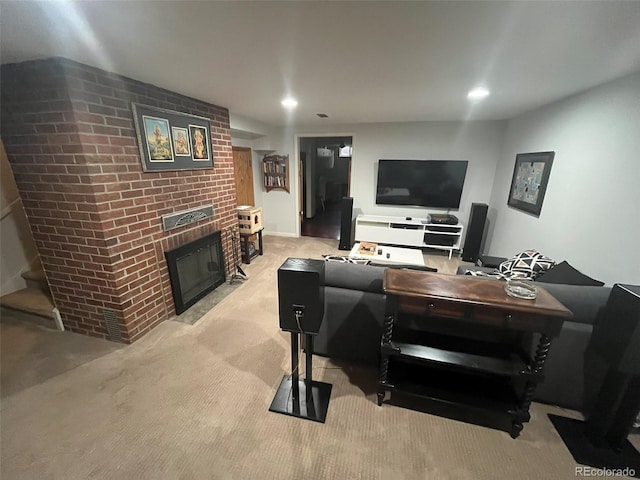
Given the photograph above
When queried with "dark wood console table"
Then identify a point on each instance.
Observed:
(435, 358)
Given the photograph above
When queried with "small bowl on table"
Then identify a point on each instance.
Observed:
(519, 288)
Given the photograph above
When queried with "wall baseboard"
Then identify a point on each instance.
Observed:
(281, 234)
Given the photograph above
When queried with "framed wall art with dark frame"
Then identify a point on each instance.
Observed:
(171, 140)
(529, 181)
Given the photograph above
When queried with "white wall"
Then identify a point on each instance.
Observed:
(478, 142)
(591, 212)
(247, 127)
(249, 133)
(17, 248)
(279, 207)
(14, 260)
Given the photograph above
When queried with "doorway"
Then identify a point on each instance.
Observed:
(326, 178)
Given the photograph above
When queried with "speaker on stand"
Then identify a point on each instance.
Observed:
(475, 232)
(301, 309)
(346, 216)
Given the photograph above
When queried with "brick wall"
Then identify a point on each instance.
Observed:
(95, 215)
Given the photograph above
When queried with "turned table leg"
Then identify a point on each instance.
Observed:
(389, 319)
(538, 365)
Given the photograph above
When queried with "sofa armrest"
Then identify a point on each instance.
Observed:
(564, 369)
(352, 325)
(352, 276)
(586, 303)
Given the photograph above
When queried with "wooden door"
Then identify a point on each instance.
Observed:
(243, 171)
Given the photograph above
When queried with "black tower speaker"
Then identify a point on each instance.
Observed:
(475, 232)
(616, 338)
(601, 441)
(301, 286)
(346, 214)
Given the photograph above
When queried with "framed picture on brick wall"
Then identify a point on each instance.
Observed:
(181, 141)
(199, 143)
(171, 140)
(157, 138)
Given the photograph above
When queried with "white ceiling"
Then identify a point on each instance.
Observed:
(355, 61)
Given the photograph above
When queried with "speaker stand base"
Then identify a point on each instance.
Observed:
(313, 407)
(574, 436)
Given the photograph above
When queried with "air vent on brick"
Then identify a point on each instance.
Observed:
(113, 330)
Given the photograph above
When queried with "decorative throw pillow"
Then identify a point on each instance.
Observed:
(528, 264)
(565, 273)
(337, 258)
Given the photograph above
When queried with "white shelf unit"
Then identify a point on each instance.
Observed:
(416, 232)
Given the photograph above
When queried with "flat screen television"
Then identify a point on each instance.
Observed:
(421, 183)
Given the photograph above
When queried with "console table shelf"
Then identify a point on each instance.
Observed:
(466, 349)
(407, 231)
(514, 365)
(481, 393)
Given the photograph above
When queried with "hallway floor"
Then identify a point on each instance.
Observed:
(326, 224)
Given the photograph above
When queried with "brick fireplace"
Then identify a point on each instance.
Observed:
(95, 215)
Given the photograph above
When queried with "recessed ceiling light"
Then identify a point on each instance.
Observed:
(322, 115)
(289, 103)
(478, 93)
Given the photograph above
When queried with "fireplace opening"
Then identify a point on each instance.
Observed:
(195, 269)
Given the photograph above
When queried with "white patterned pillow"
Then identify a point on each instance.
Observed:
(528, 264)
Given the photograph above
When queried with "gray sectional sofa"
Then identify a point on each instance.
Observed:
(354, 313)
(565, 374)
(354, 305)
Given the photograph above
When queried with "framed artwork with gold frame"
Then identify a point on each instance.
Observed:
(200, 143)
(181, 141)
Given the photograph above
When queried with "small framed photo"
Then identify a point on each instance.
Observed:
(181, 141)
(529, 182)
(200, 143)
(157, 138)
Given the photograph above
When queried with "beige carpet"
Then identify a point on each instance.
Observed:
(191, 402)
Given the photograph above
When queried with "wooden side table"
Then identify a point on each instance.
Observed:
(244, 238)
(452, 371)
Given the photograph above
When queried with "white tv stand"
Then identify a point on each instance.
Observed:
(417, 232)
